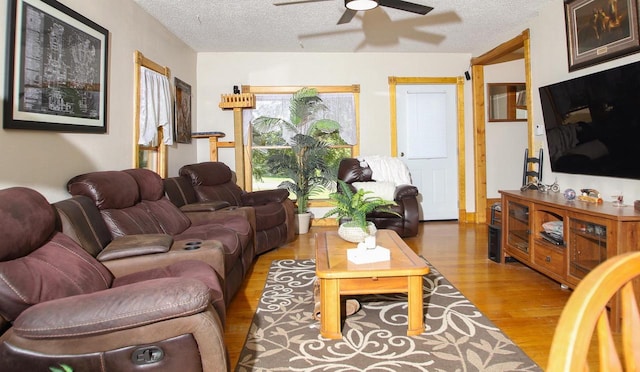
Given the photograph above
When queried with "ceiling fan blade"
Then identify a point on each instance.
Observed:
(347, 16)
(406, 6)
(299, 2)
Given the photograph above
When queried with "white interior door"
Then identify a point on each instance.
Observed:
(427, 143)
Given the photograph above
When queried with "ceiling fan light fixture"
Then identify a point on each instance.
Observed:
(360, 4)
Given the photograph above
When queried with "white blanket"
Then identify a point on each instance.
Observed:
(388, 169)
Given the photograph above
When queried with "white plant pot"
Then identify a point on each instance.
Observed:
(303, 221)
(355, 234)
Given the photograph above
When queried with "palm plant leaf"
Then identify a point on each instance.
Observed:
(356, 205)
(306, 165)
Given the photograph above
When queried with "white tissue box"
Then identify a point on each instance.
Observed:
(362, 255)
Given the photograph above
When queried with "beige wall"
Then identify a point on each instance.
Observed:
(218, 72)
(45, 160)
(506, 141)
(549, 65)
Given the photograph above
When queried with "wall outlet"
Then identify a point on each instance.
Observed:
(539, 130)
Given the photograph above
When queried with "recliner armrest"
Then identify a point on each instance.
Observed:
(129, 306)
(264, 197)
(205, 206)
(405, 191)
(135, 245)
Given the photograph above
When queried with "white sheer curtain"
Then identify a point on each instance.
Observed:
(341, 108)
(155, 107)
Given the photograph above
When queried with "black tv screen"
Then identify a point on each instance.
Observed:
(592, 123)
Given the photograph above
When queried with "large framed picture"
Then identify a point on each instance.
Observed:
(57, 69)
(600, 30)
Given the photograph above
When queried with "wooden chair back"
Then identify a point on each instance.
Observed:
(586, 312)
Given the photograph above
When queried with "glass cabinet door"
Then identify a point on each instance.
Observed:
(588, 247)
(518, 226)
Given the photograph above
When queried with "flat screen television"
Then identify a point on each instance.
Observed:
(592, 123)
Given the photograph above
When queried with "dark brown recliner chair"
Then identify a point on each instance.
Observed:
(59, 305)
(132, 202)
(405, 196)
(274, 211)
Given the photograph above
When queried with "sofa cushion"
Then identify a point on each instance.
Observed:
(131, 220)
(59, 268)
(350, 171)
(135, 245)
(184, 269)
(171, 219)
(209, 173)
(269, 216)
(28, 220)
(381, 189)
(213, 181)
(150, 183)
(147, 302)
(79, 218)
(179, 191)
(107, 189)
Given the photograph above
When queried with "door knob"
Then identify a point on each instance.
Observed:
(401, 154)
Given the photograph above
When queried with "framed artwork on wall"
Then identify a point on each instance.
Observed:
(57, 69)
(183, 111)
(600, 30)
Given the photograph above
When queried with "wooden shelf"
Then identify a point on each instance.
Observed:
(591, 234)
(243, 100)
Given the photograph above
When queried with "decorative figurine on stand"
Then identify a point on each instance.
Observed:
(590, 195)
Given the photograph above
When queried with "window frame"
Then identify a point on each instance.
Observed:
(355, 149)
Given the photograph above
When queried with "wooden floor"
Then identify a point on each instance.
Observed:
(523, 303)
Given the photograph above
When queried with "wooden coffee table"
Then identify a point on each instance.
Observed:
(338, 276)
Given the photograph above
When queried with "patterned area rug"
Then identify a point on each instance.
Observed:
(458, 337)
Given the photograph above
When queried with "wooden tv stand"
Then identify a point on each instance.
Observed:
(591, 233)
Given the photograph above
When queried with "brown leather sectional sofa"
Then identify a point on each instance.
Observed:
(118, 277)
(212, 185)
(59, 305)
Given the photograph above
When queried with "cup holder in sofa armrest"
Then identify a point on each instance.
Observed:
(135, 245)
(196, 244)
(207, 206)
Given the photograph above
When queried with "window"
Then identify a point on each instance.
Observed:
(342, 106)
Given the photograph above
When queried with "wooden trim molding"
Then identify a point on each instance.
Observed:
(394, 81)
(516, 48)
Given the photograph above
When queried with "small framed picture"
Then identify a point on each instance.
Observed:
(183, 111)
(57, 69)
(600, 30)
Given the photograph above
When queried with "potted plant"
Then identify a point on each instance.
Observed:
(351, 209)
(305, 167)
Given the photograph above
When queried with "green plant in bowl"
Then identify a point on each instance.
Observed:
(351, 208)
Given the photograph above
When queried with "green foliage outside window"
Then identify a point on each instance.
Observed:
(306, 164)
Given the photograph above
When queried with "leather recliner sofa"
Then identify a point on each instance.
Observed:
(211, 185)
(350, 170)
(132, 203)
(60, 306)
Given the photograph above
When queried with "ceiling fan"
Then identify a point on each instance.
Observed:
(380, 30)
(353, 6)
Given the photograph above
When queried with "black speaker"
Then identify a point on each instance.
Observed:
(495, 251)
(467, 75)
(236, 90)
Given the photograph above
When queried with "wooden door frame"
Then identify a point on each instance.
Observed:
(514, 49)
(459, 83)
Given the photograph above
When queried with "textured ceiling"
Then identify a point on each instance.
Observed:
(454, 26)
